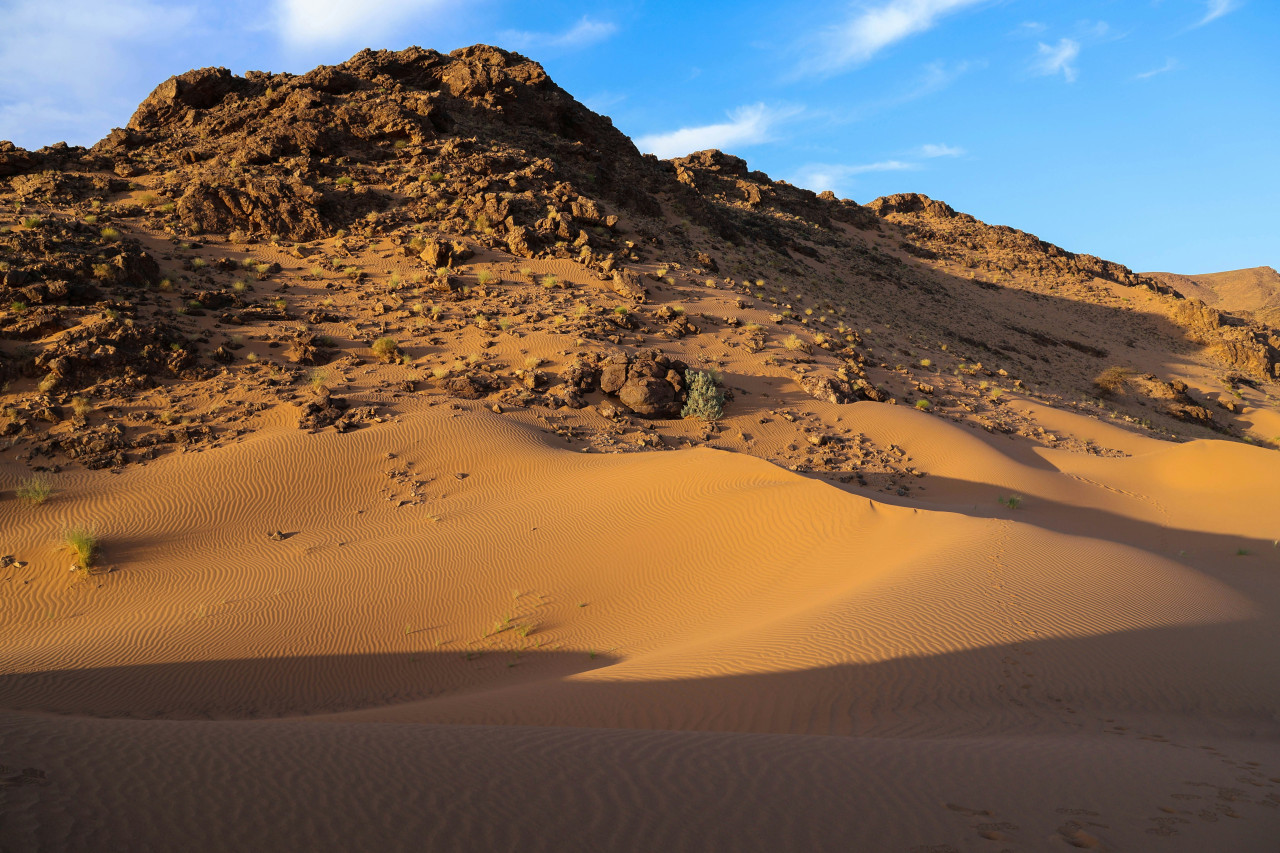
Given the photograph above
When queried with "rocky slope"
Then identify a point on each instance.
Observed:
(244, 241)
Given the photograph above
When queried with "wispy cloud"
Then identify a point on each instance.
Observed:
(1170, 65)
(872, 29)
(1215, 9)
(820, 177)
(932, 151)
(306, 23)
(1058, 59)
(749, 125)
(70, 68)
(581, 34)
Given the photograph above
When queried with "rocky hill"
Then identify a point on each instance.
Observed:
(245, 241)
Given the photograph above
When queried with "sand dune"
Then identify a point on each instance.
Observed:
(761, 637)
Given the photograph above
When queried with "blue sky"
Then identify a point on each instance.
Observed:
(1143, 131)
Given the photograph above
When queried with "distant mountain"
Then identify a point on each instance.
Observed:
(1253, 292)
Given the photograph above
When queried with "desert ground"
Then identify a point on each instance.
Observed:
(366, 387)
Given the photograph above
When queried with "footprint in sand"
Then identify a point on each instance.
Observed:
(10, 778)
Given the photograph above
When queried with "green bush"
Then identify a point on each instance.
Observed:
(706, 400)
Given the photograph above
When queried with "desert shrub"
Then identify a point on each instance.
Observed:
(31, 222)
(81, 406)
(549, 281)
(706, 399)
(386, 349)
(796, 343)
(484, 277)
(1113, 380)
(82, 546)
(109, 233)
(345, 181)
(923, 405)
(34, 490)
(17, 306)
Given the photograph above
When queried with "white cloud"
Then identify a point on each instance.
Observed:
(1170, 65)
(1215, 9)
(72, 69)
(872, 29)
(1058, 59)
(748, 125)
(581, 34)
(820, 177)
(327, 22)
(931, 151)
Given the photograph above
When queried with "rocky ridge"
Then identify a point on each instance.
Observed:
(426, 196)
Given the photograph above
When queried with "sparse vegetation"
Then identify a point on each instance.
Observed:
(34, 490)
(1113, 380)
(795, 343)
(81, 545)
(109, 233)
(1011, 501)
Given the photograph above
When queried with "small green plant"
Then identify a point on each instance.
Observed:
(81, 545)
(109, 233)
(81, 406)
(199, 263)
(91, 219)
(34, 490)
(1012, 501)
(31, 222)
(239, 286)
(706, 399)
(17, 306)
(924, 362)
(923, 405)
(621, 310)
(549, 281)
(317, 379)
(386, 349)
(345, 181)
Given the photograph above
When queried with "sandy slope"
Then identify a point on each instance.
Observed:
(693, 649)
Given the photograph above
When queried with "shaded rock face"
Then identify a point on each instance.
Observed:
(648, 383)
